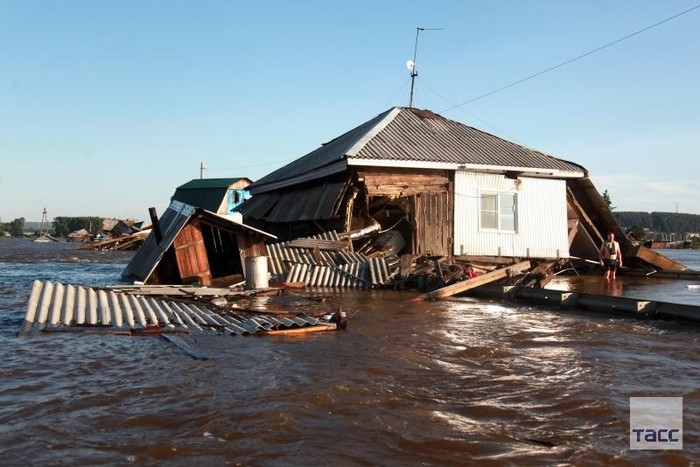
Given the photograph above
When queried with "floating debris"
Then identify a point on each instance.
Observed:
(67, 308)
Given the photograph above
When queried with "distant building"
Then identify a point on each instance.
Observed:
(217, 195)
(119, 227)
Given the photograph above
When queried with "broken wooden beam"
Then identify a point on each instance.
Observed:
(302, 330)
(453, 289)
(503, 260)
(312, 243)
(655, 259)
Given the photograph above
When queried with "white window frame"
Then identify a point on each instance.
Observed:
(501, 197)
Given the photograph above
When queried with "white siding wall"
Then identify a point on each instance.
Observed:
(541, 217)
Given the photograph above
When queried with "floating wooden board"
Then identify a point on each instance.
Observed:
(453, 289)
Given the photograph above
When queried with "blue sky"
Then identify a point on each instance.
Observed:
(107, 106)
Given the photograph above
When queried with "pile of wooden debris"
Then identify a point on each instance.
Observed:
(368, 258)
(125, 242)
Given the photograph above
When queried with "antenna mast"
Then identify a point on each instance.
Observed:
(44, 222)
(411, 64)
(201, 170)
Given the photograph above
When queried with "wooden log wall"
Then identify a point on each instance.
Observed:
(397, 182)
(429, 197)
(433, 228)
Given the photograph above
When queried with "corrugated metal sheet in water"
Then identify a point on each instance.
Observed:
(371, 272)
(346, 275)
(58, 306)
(281, 255)
(334, 269)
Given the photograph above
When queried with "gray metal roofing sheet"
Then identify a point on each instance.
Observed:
(315, 203)
(411, 135)
(151, 252)
(199, 183)
(55, 306)
(329, 268)
(258, 206)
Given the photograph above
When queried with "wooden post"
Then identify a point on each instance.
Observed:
(156, 225)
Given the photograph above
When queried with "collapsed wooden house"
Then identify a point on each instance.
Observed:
(192, 245)
(115, 228)
(449, 189)
(116, 235)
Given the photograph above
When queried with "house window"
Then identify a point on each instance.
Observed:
(498, 211)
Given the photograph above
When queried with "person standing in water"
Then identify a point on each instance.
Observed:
(610, 256)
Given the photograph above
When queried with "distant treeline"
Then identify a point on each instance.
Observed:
(62, 226)
(665, 222)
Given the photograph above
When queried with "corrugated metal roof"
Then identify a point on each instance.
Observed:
(205, 198)
(327, 268)
(315, 203)
(406, 137)
(206, 193)
(412, 137)
(54, 307)
(258, 206)
(200, 183)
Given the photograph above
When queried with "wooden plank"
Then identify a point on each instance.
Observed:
(406, 265)
(191, 254)
(656, 259)
(453, 289)
(309, 243)
(486, 259)
(302, 330)
(585, 221)
(573, 229)
(432, 216)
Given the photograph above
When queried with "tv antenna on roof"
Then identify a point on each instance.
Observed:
(411, 64)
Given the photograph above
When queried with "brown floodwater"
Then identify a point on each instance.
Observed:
(462, 381)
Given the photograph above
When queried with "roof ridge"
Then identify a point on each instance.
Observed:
(374, 131)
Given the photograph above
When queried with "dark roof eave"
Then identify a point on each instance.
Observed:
(336, 167)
